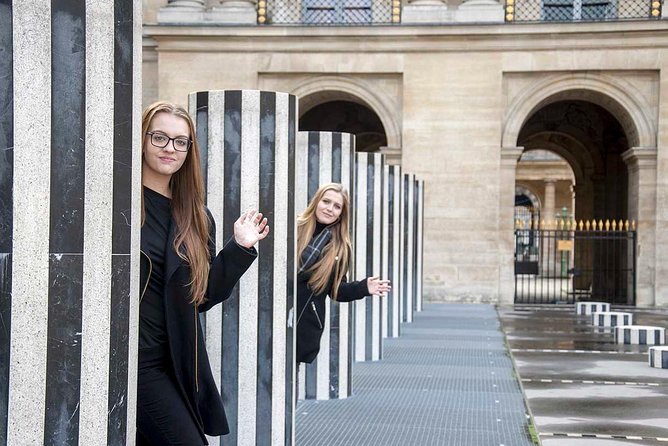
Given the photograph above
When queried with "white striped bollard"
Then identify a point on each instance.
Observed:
(611, 318)
(658, 357)
(639, 335)
(587, 308)
(419, 244)
(392, 249)
(69, 221)
(408, 229)
(247, 138)
(368, 253)
(327, 157)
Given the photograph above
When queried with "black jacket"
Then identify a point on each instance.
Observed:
(311, 313)
(184, 332)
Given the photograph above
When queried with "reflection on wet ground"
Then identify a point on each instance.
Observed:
(583, 389)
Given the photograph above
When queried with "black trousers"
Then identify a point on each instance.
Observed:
(163, 419)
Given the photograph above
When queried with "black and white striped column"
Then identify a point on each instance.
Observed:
(640, 335)
(248, 151)
(658, 357)
(587, 308)
(326, 157)
(611, 318)
(392, 248)
(368, 253)
(408, 248)
(418, 246)
(70, 93)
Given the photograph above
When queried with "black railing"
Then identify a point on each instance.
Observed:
(563, 266)
(581, 10)
(330, 12)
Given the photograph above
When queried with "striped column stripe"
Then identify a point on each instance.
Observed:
(408, 292)
(587, 308)
(640, 335)
(391, 245)
(418, 249)
(71, 380)
(6, 209)
(658, 357)
(368, 253)
(611, 318)
(324, 157)
(248, 142)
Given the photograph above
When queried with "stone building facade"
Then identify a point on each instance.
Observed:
(460, 91)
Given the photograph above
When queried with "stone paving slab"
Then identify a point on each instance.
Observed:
(448, 380)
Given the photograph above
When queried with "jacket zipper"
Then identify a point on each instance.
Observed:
(148, 279)
(196, 374)
(316, 314)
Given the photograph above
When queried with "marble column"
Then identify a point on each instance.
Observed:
(392, 246)
(182, 11)
(368, 253)
(642, 165)
(509, 158)
(234, 12)
(480, 11)
(419, 244)
(426, 11)
(548, 255)
(408, 254)
(247, 140)
(69, 220)
(327, 157)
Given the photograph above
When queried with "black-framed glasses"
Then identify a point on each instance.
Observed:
(180, 143)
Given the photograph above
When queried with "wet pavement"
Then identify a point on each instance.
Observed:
(581, 388)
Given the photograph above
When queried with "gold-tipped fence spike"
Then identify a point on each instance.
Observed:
(633, 225)
(607, 225)
(614, 225)
(561, 225)
(581, 225)
(542, 224)
(626, 225)
(600, 225)
(587, 225)
(517, 223)
(620, 225)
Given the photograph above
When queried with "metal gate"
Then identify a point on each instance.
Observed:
(563, 262)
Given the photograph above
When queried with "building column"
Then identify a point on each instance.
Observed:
(234, 12)
(509, 158)
(69, 220)
(182, 11)
(247, 143)
(548, 253)
(488, 11)
(641, 162)
(326, 157)
(426, 11)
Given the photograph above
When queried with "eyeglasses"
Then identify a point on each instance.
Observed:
(180, 143)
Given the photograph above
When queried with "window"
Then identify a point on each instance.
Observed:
(569, 10)
(336, 11)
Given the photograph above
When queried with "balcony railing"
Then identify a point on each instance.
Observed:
(329, 12)
(581, 10)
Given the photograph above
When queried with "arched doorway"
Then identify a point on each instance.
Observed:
(349, 117)
(571, 264)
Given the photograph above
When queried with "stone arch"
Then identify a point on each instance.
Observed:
(617, 96)
(321, 89)
(523, 189)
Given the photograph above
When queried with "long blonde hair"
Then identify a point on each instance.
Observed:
(336, 256)
(188, 211)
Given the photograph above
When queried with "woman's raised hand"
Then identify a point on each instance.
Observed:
(250, 228)
(377, 286)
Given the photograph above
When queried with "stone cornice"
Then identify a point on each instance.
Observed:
(411, 39)
(640, 157)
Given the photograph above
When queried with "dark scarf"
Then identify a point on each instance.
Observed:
(314, 249)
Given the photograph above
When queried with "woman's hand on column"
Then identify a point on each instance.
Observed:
(250, 228)
(378, 286)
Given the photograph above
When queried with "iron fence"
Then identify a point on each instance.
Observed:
(581, 10)
(567, 264)
(329, 12)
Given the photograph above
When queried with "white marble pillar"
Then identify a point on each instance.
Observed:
(182, 11)
(368, 253)
(69, 220)
(509, 158)
(247, 141)
(642, 165)
(234, 12)
(326, 157)
(480, 11)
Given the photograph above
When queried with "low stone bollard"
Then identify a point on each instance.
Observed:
(611, 318)
(658, 357)
(587, 308)
(640, 335)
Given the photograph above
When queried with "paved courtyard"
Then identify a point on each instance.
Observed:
(447, 380)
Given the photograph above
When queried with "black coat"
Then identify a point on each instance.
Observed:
(184, 332)
(311, 313)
